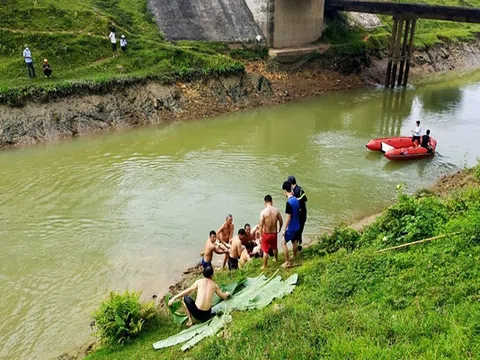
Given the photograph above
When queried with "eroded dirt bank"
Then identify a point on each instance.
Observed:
(153, 103)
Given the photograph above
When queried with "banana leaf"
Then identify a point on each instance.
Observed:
(217, 323)
(255, 293)
(178, 318)
(182, 336)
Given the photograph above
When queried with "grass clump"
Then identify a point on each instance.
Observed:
(120, 318)
(420, 302)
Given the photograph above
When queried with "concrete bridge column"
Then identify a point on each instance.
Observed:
(289, 23)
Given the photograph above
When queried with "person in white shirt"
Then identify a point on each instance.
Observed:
(417, 133)
(123, 43)
(113, 41)
(27, 55)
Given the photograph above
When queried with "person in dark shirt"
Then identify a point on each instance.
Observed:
(299, 193)
(426, 143)
(292, 224)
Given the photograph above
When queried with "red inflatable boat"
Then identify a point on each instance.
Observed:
(396, 142)
(401, 148)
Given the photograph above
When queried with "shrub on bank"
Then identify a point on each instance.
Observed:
(121, 317)
(342, 237)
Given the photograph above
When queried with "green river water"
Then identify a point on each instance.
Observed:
(133, 209)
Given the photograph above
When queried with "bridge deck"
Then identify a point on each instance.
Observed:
(449, 13)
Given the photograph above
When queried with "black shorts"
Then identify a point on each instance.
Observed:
(114, 46)
(201, 315)
(232, 263)
(416, 138)
(124, 48)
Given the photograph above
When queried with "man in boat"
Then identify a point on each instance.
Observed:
(236, 249)
(427, 142)
(201, 308)
(212, 245)
(302, 199)
(292, 224)
(271, 224)
(247, 253)
(225, 233)
(417, 133)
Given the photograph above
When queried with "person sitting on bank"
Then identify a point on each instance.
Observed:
(47, 69)
(427, 142)
(201, 308)
(417, 133)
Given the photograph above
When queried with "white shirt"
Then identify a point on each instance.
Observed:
(123, 42)
(112, 37)
(27, 55)
(418, 131)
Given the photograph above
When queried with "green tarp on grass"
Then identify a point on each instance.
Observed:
(254, 293)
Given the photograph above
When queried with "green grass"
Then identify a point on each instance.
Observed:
(73, 36)
(422, 302)
(428, 32)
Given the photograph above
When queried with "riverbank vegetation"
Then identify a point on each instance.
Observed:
(352, 301)
(73, 36)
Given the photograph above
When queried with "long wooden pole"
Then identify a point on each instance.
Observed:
(410, 51)
(417, 242)
(390, 51)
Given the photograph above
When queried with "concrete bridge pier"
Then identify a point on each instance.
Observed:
(289, 23)
(401, 49)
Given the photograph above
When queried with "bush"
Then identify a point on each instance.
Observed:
(121, 316)
(342, 237)
(476, 170)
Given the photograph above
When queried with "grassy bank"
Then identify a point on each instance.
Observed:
(347, 40)
(73, 37)
(421, 302)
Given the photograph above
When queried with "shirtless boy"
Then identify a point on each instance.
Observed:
(271, 223)
(212, 245)
(201, 308)
(247, 253)
(225, 233)
(236, 250)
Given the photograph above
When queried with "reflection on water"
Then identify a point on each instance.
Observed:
(131, 210)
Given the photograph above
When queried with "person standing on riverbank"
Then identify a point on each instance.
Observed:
(123, 43)
(212, 245)
(292, 224)
(225, 233)
(299, 193)
(201, 308)
(271, 224)
(27, 56)
(113, 41)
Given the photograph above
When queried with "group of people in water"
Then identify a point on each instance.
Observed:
(421, 140)
(260, 241)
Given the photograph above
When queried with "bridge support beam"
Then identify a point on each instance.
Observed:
(400, 52)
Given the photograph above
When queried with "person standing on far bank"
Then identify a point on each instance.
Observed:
(113, 41)
(27, 55)
(123, 43)
(299, 193)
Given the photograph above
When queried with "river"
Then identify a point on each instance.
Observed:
(133, 209)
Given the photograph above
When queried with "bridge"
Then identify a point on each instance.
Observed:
(293, 23)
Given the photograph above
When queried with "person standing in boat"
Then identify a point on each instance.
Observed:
(417, 133)
(427, 142)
